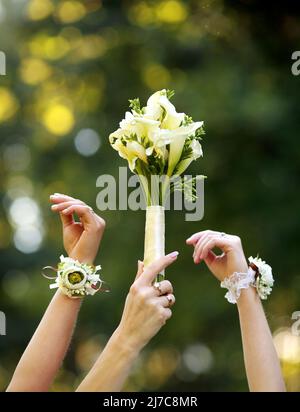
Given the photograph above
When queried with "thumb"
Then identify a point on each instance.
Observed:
(66, 220)
(210, 258)
(140, 269)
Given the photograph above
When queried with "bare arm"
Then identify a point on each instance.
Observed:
(49, 344)
(261, 361)
(146, 310)
(111, 368)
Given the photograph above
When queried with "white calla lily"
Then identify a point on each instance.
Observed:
(139, 126)
(160, 108)
(176, 138)
(131, 151)
(196, 153)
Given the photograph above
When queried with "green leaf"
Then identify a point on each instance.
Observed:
(135, 105)
(187, 120)
(170, 94)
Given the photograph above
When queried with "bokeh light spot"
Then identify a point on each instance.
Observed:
(58, 119)
(142, 14)
(196, 359)
(25, 218)
(34, 71)
(156, 76)
(70, 11)
(91, 47)
(171, 11)
(287, 346)
(28, 239)
(87, 142)
(8, 104)
(15, 284)
(39, 10)
(49, 47)
(24, 211)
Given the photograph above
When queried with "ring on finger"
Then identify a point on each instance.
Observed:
(170, 300)
(157, 286)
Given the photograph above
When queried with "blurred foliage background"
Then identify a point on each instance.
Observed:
(71, 67)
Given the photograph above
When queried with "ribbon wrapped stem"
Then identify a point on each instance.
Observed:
(154, 236)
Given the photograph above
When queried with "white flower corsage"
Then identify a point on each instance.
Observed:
(264, 280)
(76, 279)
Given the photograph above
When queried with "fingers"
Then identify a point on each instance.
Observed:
(66, 220)
(67, 206)
(58, 207)
(192, 240)
(166, 313)
(84, 212)
(163, 287)
(59, 197)
(140, 269)
(199, 247)
(150, 272)
(209, 240)
(210, 257)
(166, 301)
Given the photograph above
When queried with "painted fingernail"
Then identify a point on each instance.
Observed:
(173, 255)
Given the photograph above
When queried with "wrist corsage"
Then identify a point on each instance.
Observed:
(264, 280)
(259, 276)
(76, 279)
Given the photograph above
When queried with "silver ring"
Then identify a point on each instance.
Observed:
(222, 234)
(157, 286)
(170, 300)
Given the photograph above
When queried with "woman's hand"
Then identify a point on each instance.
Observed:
(81, 239)
(231, 260)
(147, 307)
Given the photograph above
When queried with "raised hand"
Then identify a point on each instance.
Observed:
(231, 260)
(49, 344)
(146, 310)
(81, 239)
(147, 307)
(261, 361)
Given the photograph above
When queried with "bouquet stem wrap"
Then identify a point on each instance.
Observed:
(154, 236)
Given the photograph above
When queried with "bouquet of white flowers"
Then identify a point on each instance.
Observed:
(157, 141)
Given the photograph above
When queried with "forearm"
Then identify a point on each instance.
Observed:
(48, 346)
(261, 360)
(112, 367)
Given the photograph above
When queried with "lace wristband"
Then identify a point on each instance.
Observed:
(236, 282)
(76, 279)
(259, 275)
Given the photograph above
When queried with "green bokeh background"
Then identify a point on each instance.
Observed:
(230, 65)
